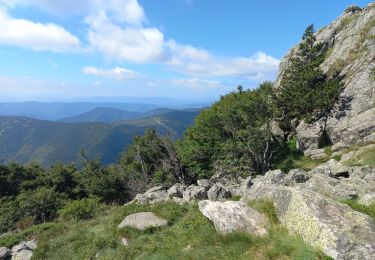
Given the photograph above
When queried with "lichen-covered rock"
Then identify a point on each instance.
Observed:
(142, 220)
(351, 52)
(218, 192)
(194, 192)
(232, 216)
(334, 228)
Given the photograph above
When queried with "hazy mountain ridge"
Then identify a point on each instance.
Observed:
(24, 139)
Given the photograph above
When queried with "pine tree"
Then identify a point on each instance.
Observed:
(305, 91)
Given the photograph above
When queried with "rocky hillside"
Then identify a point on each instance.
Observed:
(350, 51)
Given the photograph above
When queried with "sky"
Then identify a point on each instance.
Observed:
(184, 49)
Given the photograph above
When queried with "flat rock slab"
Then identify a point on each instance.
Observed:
(233, 216)
(142, 220)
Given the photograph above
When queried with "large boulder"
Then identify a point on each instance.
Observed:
(233, 216)
(4, 253)
(24, 250)
(23, 255)
(218, 192)
(330, 226)
(142, 220)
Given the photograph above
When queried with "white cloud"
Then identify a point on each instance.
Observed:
(119, 29)
(37, 36)
(117, 73)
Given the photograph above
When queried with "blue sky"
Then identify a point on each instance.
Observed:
(186, 49)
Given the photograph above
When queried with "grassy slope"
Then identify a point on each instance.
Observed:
(189, 235)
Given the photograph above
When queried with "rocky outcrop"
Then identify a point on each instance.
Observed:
(142, 220)
(233, 216)
(5, 253)
(334, 228)
(22, 251)
(350, 44)
(218, 192)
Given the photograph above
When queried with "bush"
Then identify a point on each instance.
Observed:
(79, 209)
(233, 136)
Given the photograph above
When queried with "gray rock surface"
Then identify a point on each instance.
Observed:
(350, 41)
(4, 253)
(176, 190)
(233, 216)
(206, 184)
(218, 192)
(194, 192)
(142, 220)
(23, 255)
(334, 228)
(24, 250)
(334, 168)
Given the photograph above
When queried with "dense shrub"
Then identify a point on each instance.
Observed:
(232, 136)
(79, 209)
(152, 159)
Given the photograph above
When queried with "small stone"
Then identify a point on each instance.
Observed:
(125, 241)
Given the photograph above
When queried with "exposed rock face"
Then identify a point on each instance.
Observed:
(232, 216)
(350, 43)
(334, 228)
(142, 220)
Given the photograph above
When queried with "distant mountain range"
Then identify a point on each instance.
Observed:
(108, 115)
(25, 140)
(66, 110)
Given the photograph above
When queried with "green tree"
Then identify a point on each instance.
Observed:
(305, 91)
(105, 183)
(42, 203)
(231, 136)
(152, 159)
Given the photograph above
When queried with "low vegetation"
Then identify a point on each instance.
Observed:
(189, 235)
(369, 210)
